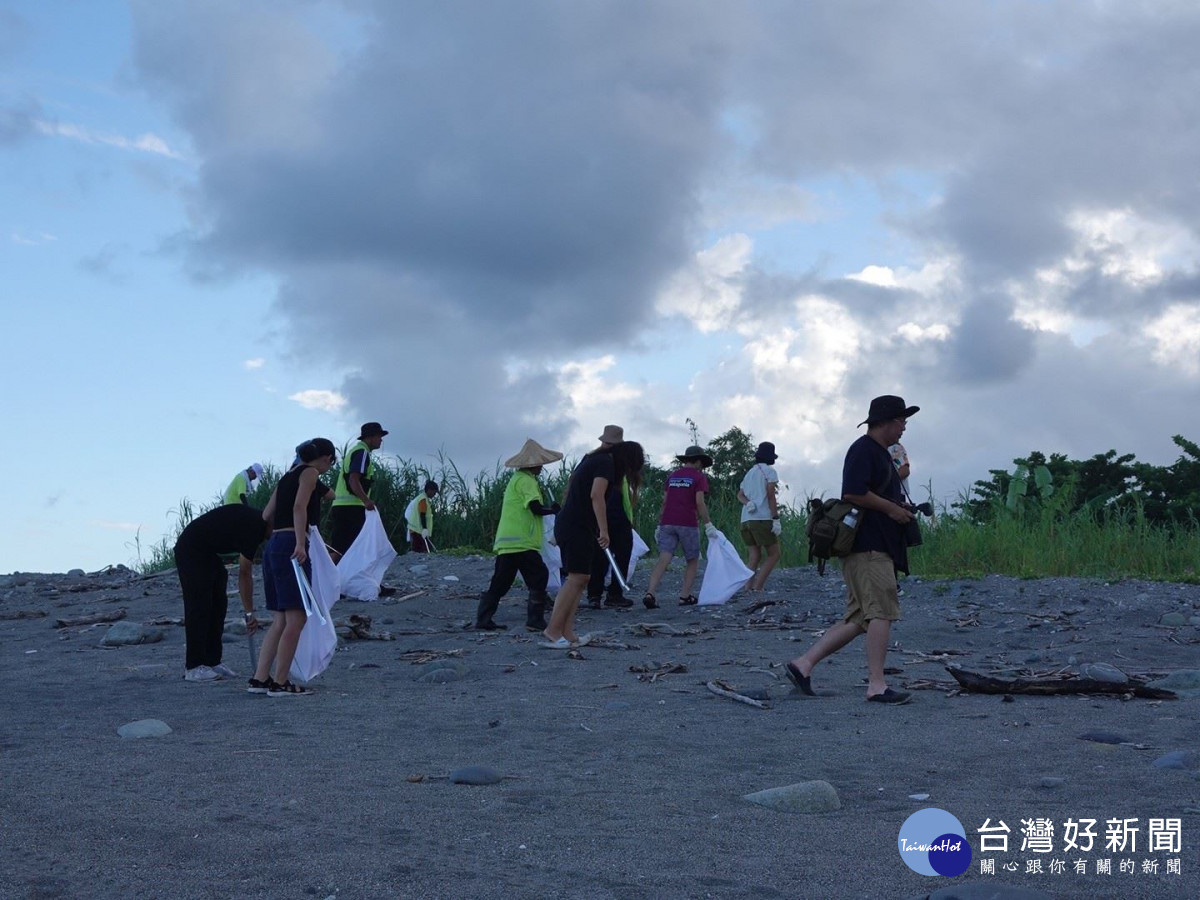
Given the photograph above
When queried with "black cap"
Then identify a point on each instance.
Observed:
(766, 453)
(887, 407)
(371, 429)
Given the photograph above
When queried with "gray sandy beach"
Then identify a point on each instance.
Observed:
(616, 783)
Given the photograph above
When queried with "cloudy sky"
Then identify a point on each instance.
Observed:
(228, 226)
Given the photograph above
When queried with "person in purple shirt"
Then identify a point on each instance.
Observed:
(679, 523)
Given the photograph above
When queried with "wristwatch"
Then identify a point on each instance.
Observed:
(247, 616)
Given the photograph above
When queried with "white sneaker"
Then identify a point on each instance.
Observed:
(201, 673)
(222, 669)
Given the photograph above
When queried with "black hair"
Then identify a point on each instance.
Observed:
(315, 449)
(431, 485)
(629, 458)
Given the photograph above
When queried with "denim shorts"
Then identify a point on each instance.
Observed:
(279, 578)
(668, 537)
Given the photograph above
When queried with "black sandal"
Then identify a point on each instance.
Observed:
(650, 601)
(287, 689)
(689, 600)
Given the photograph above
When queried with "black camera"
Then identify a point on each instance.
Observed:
(925, 509)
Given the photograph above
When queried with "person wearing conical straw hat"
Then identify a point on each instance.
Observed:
(518, 542)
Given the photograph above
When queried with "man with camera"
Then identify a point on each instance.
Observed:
(870, 482)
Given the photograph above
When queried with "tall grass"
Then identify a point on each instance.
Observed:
(1042, 542)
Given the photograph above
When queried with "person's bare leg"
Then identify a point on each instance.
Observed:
(562, 619)
(270, 646)
(878, 633)
(829, 643)
(760, 578)
(287, 643)
(660, 569)
(689, 576)
(753, 558)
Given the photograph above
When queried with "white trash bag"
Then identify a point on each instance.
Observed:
(551, 555)
(318, 641)
(640, 549)
(362, 569)
(725, 574)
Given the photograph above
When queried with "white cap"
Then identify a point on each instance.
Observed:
(257, 469)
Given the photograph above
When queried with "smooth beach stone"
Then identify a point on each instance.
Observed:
(1103, 672)
(144, 728)
(1185, 683)
(802, 797)
(1051, 781)
(918, 796)
(419, 569)
(76, 572)
(124, 633)
(1103, 737)
(1177, 759)
(441, 671)
(475, 775)
(1194, 620)
(1173, 619)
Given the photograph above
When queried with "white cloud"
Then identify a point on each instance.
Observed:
(1176, 334)
(257, 363)
(32, 241)
(327, 401)
(706, 292)
(144, 143)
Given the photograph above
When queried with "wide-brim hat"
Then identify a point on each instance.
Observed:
(766, 453)
(887, 407)
(531, 455)
(371, 429)
(613, 434)
(694, 452)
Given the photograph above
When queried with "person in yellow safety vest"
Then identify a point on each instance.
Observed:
(419, 516)
(243, 484)
(352, 495)
(518, 543)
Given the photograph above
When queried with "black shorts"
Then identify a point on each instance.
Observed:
(577, 545)
(346, 522)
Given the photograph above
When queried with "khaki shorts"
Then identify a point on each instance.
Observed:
(871, 578)
(757, 533)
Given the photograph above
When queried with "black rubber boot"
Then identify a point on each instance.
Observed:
(483, 615)
(535, 610)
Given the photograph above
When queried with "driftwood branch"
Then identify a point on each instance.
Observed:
(974, 682)
(94, 618)
(733, 695)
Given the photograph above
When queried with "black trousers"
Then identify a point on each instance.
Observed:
(620, 542)
(528, 562)
(204, 582)
(345, 522)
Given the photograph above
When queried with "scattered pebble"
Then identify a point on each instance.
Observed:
(1174, 619)
(449, 578)
(918, 796)
(478, 775)
(1051, 781)
(802, 797)
(1178, 759)
(124, 633)
(1103, 737)
(144, 728)
(1103, 672)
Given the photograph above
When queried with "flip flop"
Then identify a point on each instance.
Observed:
(689, 600)
(890, 696)
(800, 681)
(559, 644)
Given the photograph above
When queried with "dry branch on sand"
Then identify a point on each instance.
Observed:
(976, 683)
(93, 619)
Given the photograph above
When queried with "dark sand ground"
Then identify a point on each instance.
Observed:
(618, 787)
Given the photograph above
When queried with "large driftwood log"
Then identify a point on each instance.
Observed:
(91, 620)
(974, 682)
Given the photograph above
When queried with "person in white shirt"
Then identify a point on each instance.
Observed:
(760, 515)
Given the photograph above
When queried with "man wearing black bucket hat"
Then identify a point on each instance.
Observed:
(869, 482)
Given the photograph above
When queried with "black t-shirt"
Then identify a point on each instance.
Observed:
(226, 529)
(285, 499)
(869, 469)
(577, 505)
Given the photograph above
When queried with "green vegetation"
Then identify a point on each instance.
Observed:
(1107, 517)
